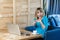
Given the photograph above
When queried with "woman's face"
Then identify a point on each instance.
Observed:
(39, 13)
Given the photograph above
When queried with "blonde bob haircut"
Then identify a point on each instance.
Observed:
(41, 10)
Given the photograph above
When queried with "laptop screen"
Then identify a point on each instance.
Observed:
(14, 29)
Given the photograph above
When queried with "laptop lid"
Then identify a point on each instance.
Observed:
(14, 29)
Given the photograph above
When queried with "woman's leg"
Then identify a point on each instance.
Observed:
(30, 28)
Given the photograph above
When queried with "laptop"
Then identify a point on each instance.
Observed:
(14, 29)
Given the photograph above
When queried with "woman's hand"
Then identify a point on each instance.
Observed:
(39, 20)
(41, 23)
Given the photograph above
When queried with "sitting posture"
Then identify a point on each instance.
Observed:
(40, 21)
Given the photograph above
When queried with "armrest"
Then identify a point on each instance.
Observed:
(52, 34)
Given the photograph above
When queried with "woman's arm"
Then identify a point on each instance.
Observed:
(43, 26)
(45, 23)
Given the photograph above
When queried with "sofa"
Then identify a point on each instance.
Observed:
(53, 33)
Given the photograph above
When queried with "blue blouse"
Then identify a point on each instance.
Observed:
(39, 28)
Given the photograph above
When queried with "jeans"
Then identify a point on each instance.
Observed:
(30, 28)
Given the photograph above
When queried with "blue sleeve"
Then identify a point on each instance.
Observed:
(45, 22)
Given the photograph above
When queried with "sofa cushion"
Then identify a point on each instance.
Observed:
(57, 18)
(52, 21)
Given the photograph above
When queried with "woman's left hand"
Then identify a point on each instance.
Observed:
(38, 20)
(41, 23)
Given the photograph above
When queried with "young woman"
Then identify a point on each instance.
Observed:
(40, 21)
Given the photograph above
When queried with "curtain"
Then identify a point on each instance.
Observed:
(52, 6)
